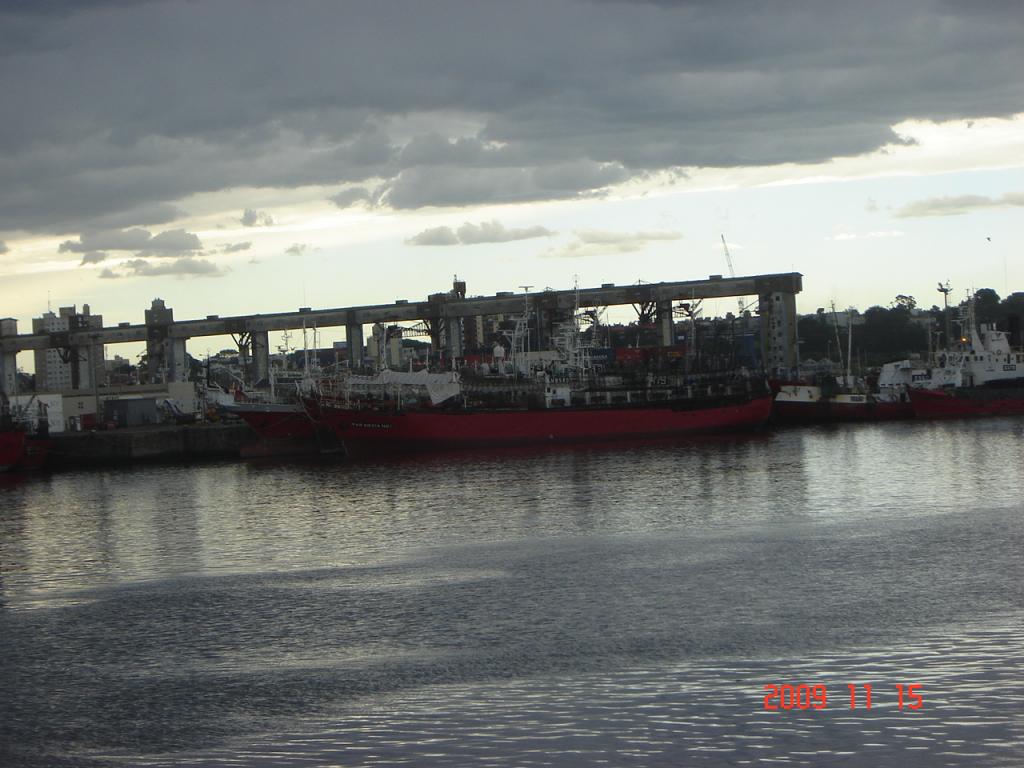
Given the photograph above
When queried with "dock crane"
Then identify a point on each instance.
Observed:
(732, 273)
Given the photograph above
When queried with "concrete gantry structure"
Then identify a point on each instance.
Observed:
(8, 358)
(442, 312)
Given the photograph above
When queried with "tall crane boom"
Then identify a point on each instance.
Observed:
(732, 273)
(728, 258)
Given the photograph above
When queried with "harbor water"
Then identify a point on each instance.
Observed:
(620, 605)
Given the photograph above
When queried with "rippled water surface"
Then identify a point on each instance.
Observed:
(594, 606)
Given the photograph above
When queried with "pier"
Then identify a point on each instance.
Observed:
(441, 313)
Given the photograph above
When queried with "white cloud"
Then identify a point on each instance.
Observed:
(958, 204)
(434, 236)
(597, 242)
(882, 234)
(475, 234)
(601, 236)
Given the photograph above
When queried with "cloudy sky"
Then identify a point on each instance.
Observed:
(236, 157)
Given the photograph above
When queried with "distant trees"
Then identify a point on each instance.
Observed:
(896, 332)
(884, 334)
(986, 305)
(904, 302)
(890, 334)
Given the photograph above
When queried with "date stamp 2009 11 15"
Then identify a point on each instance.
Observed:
(816, 696)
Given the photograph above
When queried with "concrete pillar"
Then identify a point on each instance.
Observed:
(354, 339)
(778, 331)
(174, 359)
(158, 350)
(666, 324)
(437, 334)
(260, 355)
(9, 373)
(453, 337)
(8, 360)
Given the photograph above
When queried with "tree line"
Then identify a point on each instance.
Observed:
(900, 330)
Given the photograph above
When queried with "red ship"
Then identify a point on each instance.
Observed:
(371, 431)
(543, 412)
(981, 375)
(20, 448)
(12, 448)
(282, 428)
(275, 421)
(967, 401)
(799, 403)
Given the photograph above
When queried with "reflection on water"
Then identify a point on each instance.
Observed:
(623, 604)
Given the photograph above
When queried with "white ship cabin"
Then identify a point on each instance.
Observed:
(982, 356)
(986, 356)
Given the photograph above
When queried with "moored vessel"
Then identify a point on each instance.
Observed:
(834, 400)
(981, 375)
(465, 414)
(839, 397)
(963, 402)
(24, 436)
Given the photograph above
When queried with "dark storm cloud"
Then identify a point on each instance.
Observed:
(253, 218)
(116, 240)
(187, 267)
(349, 197)
(170, 243)
(93, 257)
(108, 127)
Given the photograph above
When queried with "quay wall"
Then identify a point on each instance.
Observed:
(190, 442)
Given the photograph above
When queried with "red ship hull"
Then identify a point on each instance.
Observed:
(276, 422)
(828, 411)
(964, 403)
(12, 448)
(372, 431)
(283, 430)
(19, 451)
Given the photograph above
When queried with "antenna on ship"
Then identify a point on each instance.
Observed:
(944, 289)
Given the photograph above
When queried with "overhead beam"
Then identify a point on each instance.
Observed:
(439, 306)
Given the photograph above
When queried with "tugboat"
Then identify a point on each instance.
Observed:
(979, 376)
